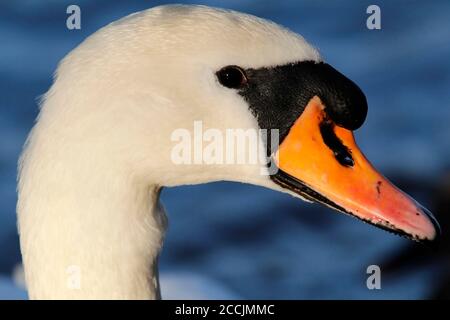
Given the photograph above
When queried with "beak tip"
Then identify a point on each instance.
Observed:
(434, 241)
(430, 230)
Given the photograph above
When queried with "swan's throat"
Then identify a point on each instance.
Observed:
(89, 237)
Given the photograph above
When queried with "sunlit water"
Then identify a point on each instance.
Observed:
(252, 242)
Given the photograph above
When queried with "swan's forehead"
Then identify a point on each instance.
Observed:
(257, 49)
(221, 37)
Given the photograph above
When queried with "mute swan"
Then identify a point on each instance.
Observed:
(90, 221)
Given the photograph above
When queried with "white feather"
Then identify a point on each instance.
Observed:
(94, 162)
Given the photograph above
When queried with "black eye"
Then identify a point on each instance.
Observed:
(232, 77)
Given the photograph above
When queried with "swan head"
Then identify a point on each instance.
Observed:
(127, 97)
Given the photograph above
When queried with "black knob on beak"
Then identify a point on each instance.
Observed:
(344, 101)
(278, 95)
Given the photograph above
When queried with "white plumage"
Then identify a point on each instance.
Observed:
(94, 162)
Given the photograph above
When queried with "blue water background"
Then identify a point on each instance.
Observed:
(257, 243)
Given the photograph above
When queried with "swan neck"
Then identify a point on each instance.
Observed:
(88, 236)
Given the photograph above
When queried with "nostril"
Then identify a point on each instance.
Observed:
(340, 151)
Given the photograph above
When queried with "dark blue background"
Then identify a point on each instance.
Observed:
(252, 242)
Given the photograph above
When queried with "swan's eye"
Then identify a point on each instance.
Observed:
(232, 77)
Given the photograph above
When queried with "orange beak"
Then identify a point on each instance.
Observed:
(321, 161)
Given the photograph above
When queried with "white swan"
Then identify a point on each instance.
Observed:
(90, 222)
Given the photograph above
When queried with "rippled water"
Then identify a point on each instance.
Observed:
(253, 242)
